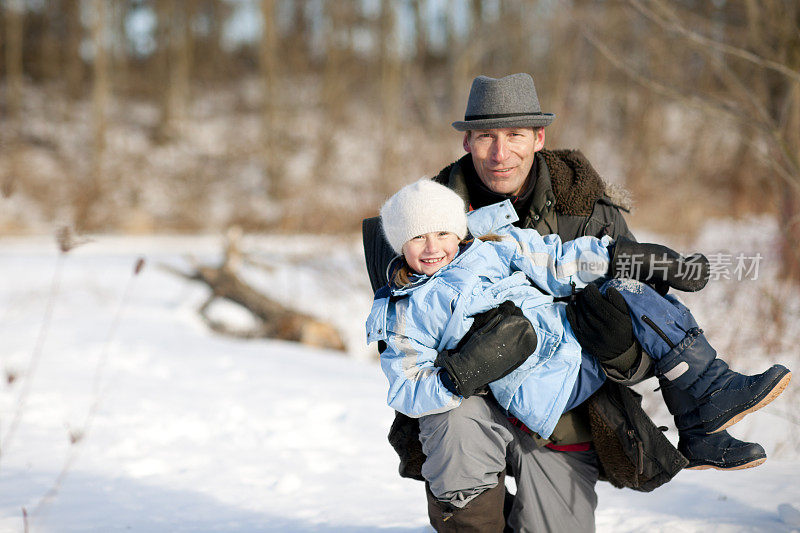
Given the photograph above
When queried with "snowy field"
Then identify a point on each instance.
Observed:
(129, 415)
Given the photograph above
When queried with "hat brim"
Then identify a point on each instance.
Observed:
(525, 121)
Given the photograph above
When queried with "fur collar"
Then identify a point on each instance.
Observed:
(576, 184)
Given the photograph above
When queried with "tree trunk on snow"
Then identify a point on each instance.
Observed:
(276, 321)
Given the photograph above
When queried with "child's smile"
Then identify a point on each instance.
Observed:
(426, 254)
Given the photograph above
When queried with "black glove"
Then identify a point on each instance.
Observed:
(658, 265)
(601, 323)
(497, 343)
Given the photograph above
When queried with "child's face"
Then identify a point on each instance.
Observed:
(427, 253)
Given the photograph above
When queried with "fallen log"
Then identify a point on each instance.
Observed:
(275, 320)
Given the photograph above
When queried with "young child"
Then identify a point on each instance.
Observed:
(441, 280)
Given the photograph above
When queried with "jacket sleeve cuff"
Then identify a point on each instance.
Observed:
(627, 359)
(447, 381)
(630, 367)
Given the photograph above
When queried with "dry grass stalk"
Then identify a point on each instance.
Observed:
(66, 242)
(78, 435)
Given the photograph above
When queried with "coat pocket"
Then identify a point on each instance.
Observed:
(598, 228)
(633, 452)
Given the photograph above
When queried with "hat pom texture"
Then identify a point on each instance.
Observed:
(422, 207)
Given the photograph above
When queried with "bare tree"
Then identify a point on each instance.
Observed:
(73, 63)
(175, 49)
(300, 36)
(332, 94)
(120, 63)
(427, 112)
(180, 84)
(13, 19)
(208, 43)
(50, 43)
(101, 83)
(420, 33)
(391, 94)
(458, 58)
(14, 15)
(268, 53)
(90, 190)
(512, 17)
(747, 69)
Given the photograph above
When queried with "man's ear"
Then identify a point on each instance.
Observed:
(538, 139)
(466, 141)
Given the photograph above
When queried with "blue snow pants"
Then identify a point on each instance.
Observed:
(659, 324)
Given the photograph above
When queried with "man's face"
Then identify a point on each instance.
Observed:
(503, 157)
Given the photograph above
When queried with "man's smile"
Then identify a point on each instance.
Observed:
(503, 157)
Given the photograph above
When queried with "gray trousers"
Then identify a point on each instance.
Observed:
(468, 446)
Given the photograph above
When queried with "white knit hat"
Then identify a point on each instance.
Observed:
(422, 207)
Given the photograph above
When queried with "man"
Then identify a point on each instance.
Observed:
(464, 453)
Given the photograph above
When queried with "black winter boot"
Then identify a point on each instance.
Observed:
(703, 450)
(719, 450)
(706, 397)
(483, 514)
(739, 396)
(721, 396)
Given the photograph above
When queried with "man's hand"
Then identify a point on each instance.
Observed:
(601, 323)
(497, 343)
(658, 265)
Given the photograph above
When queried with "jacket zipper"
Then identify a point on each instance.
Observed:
(637, 442)
(640, 449)
(658, 331)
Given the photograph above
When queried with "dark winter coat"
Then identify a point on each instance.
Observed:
(568, 198)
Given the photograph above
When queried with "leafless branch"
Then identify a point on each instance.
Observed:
(769, 129)
(676, 27)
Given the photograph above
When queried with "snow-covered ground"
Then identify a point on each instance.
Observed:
(178, 429)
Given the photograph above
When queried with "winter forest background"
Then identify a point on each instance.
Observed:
(153, 128)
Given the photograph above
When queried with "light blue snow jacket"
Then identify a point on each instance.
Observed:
(434, 313)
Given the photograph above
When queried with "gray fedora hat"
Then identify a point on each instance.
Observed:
(509, 102)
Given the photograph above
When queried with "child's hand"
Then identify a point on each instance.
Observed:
(601, 323)
(498, 342)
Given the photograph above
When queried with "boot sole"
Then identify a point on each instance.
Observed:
(751, 464)
(771, 395)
